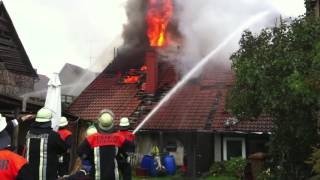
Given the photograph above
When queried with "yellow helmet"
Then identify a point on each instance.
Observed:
(44, 115)
(105, 120)
(63, 122)
(91, 130)
(155, 151)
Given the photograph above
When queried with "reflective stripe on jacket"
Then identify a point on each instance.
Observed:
(101, 150)
(43, 146)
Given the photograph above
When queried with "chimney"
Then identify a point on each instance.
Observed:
(152, 71)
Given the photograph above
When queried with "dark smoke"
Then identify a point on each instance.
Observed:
(134, 33)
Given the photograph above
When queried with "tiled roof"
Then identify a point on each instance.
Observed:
(199, 105)
(188, 110)
(262, 124)
(105, 92)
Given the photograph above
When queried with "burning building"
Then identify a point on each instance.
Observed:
(193, 125)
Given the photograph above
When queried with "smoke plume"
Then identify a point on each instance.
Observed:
(134, 32)
(205, 23)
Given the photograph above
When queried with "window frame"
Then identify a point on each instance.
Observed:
(243, 146)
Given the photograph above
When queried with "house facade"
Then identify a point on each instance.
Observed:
(193, 125)
(17, 76)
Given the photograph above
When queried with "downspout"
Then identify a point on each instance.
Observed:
(161, 141)
(24, 103)
(15, 133)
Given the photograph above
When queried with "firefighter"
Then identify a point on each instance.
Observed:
(101, 148)
(123, 157)
(86, 163)
(43, 145)
(155, 152)
(66, 136)
(86, 167)
(12, 166)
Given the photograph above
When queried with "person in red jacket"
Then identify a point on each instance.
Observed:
(66, 136)
(101, 148)
(12, 166)
(123, 157)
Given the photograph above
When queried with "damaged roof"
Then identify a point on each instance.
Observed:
(198, 106)
(105, 93)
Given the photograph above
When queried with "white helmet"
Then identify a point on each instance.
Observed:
(124, 122)
(5, 140)
(44, 115)
(91, 130)
(3, 123)
(63, 122)
(105, 120)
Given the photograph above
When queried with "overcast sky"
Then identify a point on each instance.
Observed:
(54, 32)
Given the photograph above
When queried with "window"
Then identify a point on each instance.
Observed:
(66, 99)
(233, 147)
(171, 146)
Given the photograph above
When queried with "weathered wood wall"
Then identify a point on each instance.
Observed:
(12, 84)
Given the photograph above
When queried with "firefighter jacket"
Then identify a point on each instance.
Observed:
(13, 166)
(43, 145)
(127, 134)
(64, 159)
(101, 151)
(66, 136)
(122, 155)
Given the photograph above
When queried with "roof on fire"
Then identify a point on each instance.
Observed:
(198, 106)
(12, 53)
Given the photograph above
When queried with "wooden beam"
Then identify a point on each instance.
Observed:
(8, 48)
(2, 19)
(4, 27)
(7, 42)
(10, 56)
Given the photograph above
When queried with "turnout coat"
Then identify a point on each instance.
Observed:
(64, 159)
(12, 166)
(43, 145)
(101, 151)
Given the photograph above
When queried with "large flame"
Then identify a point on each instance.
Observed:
(158, 16)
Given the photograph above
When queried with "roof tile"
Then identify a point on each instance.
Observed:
(192, 108)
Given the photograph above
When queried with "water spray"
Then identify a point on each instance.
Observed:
(199, 65)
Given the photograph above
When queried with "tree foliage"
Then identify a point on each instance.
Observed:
(278, 75)
(309, 5)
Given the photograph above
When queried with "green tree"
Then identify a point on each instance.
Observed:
(309, 5)
(278, 75)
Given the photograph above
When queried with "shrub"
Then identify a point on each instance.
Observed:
(314, 160)
(235, 167)
(217, 169)
(266, 175)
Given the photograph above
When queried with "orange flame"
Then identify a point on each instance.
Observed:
(131, 79)
(143, 68)
(158, 16)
